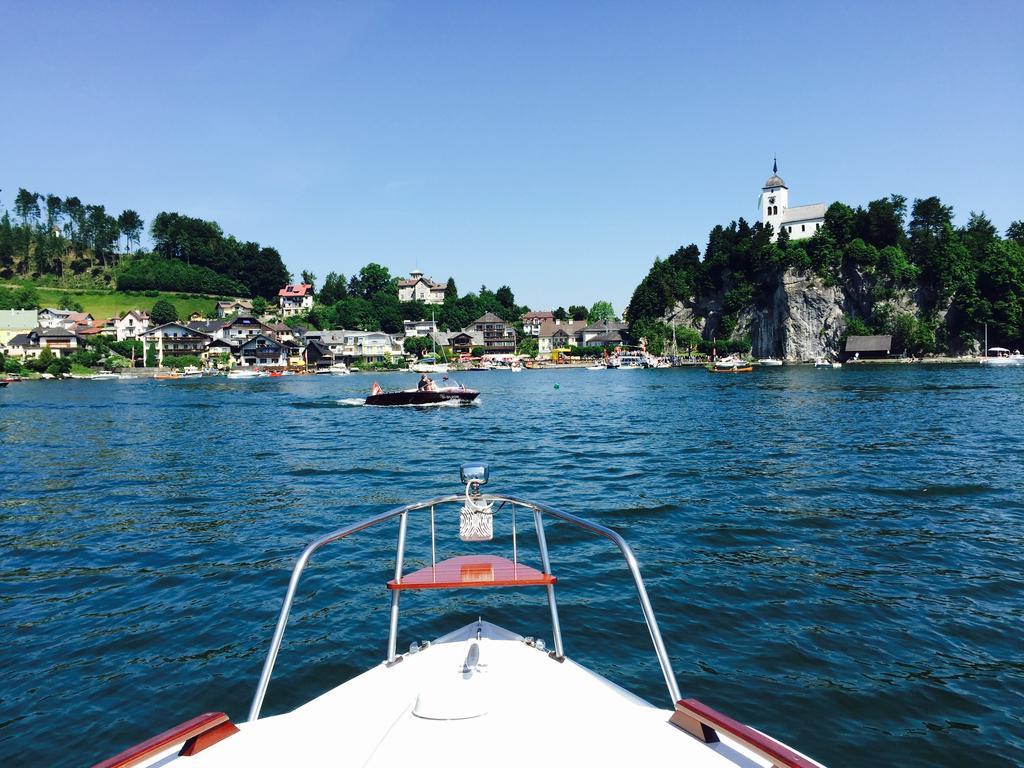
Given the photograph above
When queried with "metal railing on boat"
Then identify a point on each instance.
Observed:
(529, 576)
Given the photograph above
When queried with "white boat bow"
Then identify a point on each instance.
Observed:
(479, 694)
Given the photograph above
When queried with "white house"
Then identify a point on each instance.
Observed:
(419, 327)
(131, 325)
(799, 221)
(175, 340)
(420, 288)
(295, 298)
(532, 322)
(236, 307)
(240, 329)
(262, 350)
(53, 318)
(368, 346)
(558, 334)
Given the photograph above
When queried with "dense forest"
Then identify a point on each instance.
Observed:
(77, 244)
(930, 284)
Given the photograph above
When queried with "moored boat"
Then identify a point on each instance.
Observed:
(999, 356)
(480, 690)
(429, 365)
(246, 373)
(769, 362)
(731, 364)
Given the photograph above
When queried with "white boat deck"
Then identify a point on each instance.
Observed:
(496, 701)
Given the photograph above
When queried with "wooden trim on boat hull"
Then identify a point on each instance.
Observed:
(198, 734)
(701, 721)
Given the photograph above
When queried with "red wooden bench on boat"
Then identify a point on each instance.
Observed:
(473, 571)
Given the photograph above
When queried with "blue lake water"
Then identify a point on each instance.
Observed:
(834, 556)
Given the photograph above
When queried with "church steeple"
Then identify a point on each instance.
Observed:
(775, 166)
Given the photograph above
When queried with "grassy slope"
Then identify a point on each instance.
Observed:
(108, 304)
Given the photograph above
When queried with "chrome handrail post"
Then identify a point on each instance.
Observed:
(652, 622)
(282, 622)
(399, 557)
(638, 582)
(542, 543)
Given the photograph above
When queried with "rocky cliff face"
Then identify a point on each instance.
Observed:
(801, 319)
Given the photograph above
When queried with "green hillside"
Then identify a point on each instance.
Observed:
(104, 304)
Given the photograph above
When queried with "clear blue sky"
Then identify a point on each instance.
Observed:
(554, 147)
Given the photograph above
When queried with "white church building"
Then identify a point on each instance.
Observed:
(799, 221)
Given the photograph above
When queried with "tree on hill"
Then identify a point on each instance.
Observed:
(561, 314)
(130, 224)
(505, 297)
(333, 290)
(372, 280)
(1015, 232)
(450, 291)
(163, 312)
(26, 205)
(601, 311)
(309, 278)
(578, 312)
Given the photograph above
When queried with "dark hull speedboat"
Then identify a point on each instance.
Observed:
(423, 397)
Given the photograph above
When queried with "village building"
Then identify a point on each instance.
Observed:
(51, 317)
(235, 307)
(419, 327)
(604, 334)
(559, 334)
(419, 288)
(295, 298)
(532, 322)
(799, 221)
(499, 338)
(219, 347)
(316, 355)
(78, 320)
(24, 345)
(131, 325)
(15, 322)
(262, 350)
(240, 329)
(60, 341)
(175, 340)
(458, 343)
(365, 346)
(63, 318)
(867, 347)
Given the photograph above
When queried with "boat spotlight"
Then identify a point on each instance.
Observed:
(475, 472)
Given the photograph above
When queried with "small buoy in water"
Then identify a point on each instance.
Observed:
(556, 386)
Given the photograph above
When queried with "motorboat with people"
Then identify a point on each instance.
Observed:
(425, 393)
(481, 693)
(731, 364)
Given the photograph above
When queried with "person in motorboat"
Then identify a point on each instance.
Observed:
(426, 384)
